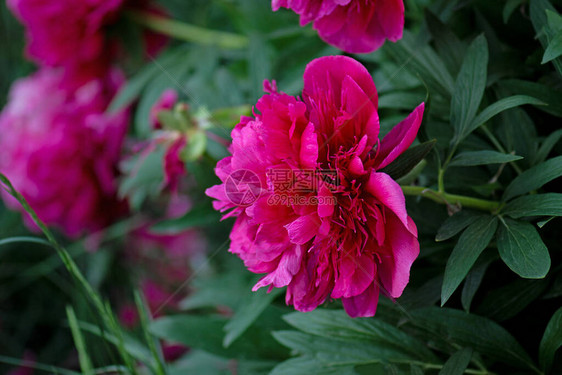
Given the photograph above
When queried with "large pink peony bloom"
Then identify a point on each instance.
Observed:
(60, 149)
(355, 26)
(349, 236)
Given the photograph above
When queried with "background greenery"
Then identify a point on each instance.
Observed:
(496, 269)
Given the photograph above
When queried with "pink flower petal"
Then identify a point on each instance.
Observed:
(363, 305)
(356, 274)
(397, 258)
(303, 229)
(389, 193)
(325, 76)
(309, 148)
(399, 138)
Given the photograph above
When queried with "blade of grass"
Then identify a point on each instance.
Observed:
(36, 366)
(83, 357)
(10, 240)
(153, 343)
(103, 309)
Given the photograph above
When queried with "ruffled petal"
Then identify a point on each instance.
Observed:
(399, 138)
(389, 193)
(363, 305)
(397, 257)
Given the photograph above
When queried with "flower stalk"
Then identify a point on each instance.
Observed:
(445, 198)
(186, 32)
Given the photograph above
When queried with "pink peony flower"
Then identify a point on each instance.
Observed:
(74, 34)
(317, 215)
(355, 26)
(69, 33)
(60, 150)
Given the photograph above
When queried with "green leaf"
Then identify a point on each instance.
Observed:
(547, 145)
(469, 247)
(211, 291)
(469, 87)
(534, 178)
(542, 223)
(337, 352)
(447, 44)
(554, 20)
(400, 100)
(195, 148)
(472, 158)
(424, 62)
(509, 7)
(199, 362)
(135, 85)
(457, 363)
(498, 107)
(197, 332)
(251, 308)
(133, 88)
(474, 279)
(549, 204)
(549, 95)
(144, 178)
(554, 49)
(455, 224)
(522, 249)
(470, 330)
(206, 332)
(509, 300)
(168, 120)
(336, 324)
(538, 11)
(551, 340)
(199, 216)
(408, 160)
(259, 60)
(307, 365)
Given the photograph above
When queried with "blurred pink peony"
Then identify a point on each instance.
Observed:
(69, 33)
(166, 102)
(60, 150)
(322, 219)
(73, 34)
(355, 26)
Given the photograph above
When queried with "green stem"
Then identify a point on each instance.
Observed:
(443, 168)
(498, 145)
(186, 32)
(442, 197)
